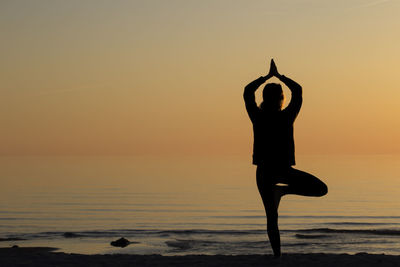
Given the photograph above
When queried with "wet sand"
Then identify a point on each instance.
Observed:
(42, 256)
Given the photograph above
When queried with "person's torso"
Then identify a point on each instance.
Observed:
(273, 139)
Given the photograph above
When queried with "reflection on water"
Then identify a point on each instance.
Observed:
(103, 198)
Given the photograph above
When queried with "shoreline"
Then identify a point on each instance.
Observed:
(47, 256)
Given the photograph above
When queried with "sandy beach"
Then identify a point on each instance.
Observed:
(45, 256)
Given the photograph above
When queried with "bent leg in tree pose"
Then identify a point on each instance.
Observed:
(273, 150)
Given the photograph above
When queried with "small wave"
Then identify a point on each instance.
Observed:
(71, 235)
(300, 236)
(213, 232)
(356, 223)
(180, 244)
(12, 239)
(338, 217)
(185, 244)
(352, 231)
(296, 245)
(238, 217)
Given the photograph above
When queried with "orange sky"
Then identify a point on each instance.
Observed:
(166, 77)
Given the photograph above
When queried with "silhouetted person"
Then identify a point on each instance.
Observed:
(273, 150)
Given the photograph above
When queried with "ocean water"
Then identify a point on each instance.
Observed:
(180, 206)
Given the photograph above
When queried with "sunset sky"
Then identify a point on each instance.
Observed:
(167, 77)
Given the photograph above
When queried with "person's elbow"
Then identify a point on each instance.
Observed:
(299, 89)
(246, 93)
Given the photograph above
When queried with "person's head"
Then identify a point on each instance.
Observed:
(273, 97)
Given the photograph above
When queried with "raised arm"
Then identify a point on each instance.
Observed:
(297, 96)
(251, 88)
(250, 98)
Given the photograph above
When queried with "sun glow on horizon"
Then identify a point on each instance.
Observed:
(134, 78)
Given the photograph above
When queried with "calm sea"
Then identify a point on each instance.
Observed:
(179, 206)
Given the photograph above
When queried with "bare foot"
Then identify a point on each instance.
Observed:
(277, 255)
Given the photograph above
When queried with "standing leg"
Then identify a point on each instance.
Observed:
(266, 187)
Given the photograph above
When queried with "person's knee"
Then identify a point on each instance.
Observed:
(323, 190)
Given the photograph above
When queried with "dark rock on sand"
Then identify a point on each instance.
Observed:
(122, 242)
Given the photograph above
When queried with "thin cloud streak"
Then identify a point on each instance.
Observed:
(375, 3)
(370, 4)
(69, 90)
